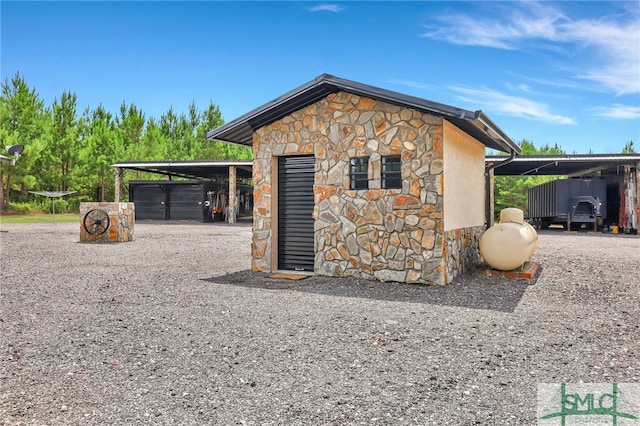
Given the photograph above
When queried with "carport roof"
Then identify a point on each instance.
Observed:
(475, 123)
(205, 169)
(570, 165)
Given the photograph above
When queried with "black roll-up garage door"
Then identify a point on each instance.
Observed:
(295, 210)
(185, 202)
(150, 200)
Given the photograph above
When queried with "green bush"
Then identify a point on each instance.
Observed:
(64, 206)
(73, 205)
(43, 205)
(28, 207)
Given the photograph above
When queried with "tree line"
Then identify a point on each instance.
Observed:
(69, 150)
(65, 150)
(511, 191)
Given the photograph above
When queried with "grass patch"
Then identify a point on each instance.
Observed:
(40, 218)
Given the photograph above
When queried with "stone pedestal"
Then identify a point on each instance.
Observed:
(107, 222)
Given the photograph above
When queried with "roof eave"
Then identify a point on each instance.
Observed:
(241, 129)
(487, 126)
(245, 120)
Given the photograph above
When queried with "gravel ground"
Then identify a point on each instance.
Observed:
(172, 329)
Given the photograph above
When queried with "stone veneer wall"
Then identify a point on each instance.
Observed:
(385, 234)
(121, 226)
(463, 250)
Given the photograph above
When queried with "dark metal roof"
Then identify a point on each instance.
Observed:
(474, 123)
(191, 169)
(569, 165)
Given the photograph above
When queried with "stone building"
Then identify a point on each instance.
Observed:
(354, 180)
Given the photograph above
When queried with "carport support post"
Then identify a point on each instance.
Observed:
(117, 195)
(233, 198)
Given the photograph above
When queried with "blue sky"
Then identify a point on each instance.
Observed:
(551, 72)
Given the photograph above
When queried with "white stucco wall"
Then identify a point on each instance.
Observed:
(463, 175)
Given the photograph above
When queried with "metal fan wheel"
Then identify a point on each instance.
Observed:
(96, 222)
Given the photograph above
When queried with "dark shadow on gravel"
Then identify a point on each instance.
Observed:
(472, 290)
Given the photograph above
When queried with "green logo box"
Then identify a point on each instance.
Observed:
(573, 404)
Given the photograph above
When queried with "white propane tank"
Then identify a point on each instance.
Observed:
(510, 243)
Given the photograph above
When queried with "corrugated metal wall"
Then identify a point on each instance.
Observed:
(186, 202)
(543, 200)
(552, 199)
(162, 200)
(149, 200)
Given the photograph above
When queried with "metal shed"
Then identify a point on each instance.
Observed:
(169, 200)
(621, 172)
(216, 190)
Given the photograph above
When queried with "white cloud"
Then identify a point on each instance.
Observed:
(411, 83)
(624, 112)
(326, 8)
(618, 48)
(609, 45)
(511, 105)
(505, 32)
(519, 87)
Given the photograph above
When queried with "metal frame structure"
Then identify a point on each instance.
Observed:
(230, 170)
(576, 165)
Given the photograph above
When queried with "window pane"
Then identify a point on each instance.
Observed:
(359, 165)
(392, 183)
(390, 164)
(391, 172)
(359, 175)
(359, 184)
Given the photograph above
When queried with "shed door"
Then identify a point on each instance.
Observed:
(150, 201)
(185, 202)
(295, 210)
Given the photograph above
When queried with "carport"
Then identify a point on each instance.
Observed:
(621, 172)
(230, 172)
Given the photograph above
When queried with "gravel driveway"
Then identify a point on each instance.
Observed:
(172, 329)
